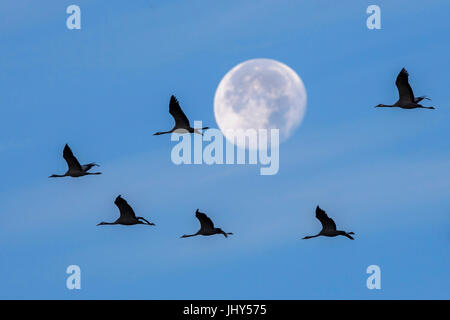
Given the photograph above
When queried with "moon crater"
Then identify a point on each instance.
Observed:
(260, 94)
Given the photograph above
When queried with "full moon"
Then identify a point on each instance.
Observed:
(260, 94)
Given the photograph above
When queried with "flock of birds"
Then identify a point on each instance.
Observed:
(127, 217)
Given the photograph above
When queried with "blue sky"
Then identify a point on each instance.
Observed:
(104, 89)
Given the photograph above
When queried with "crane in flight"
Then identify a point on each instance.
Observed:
(75, 169)
(328, 226)
(406, 98)
(206, 227)
(127, 215)
(181, 121)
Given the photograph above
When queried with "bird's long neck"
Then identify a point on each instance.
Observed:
(189, 235)
(385, 106)
(309, 237)
(162, 132)
(106, 223)
(57, 176)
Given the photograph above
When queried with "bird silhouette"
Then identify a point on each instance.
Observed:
(181, 121)
(74, 170)
(328, 226)
(406, 96)
(206, 227)
(127, 215)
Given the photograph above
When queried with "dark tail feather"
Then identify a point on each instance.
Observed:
(348, 235)
(149, 223)
(418, 99)
(198, 132)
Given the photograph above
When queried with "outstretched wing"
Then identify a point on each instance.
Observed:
(125, 209)
(72, 162)
(181, 121)
(327, 222)
(404, 89)
(205, 222)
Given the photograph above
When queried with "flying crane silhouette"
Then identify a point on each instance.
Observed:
(328, 226)
(206, 227)
(74, 170)
(127, 215)
(406, 98)
(181, 121)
